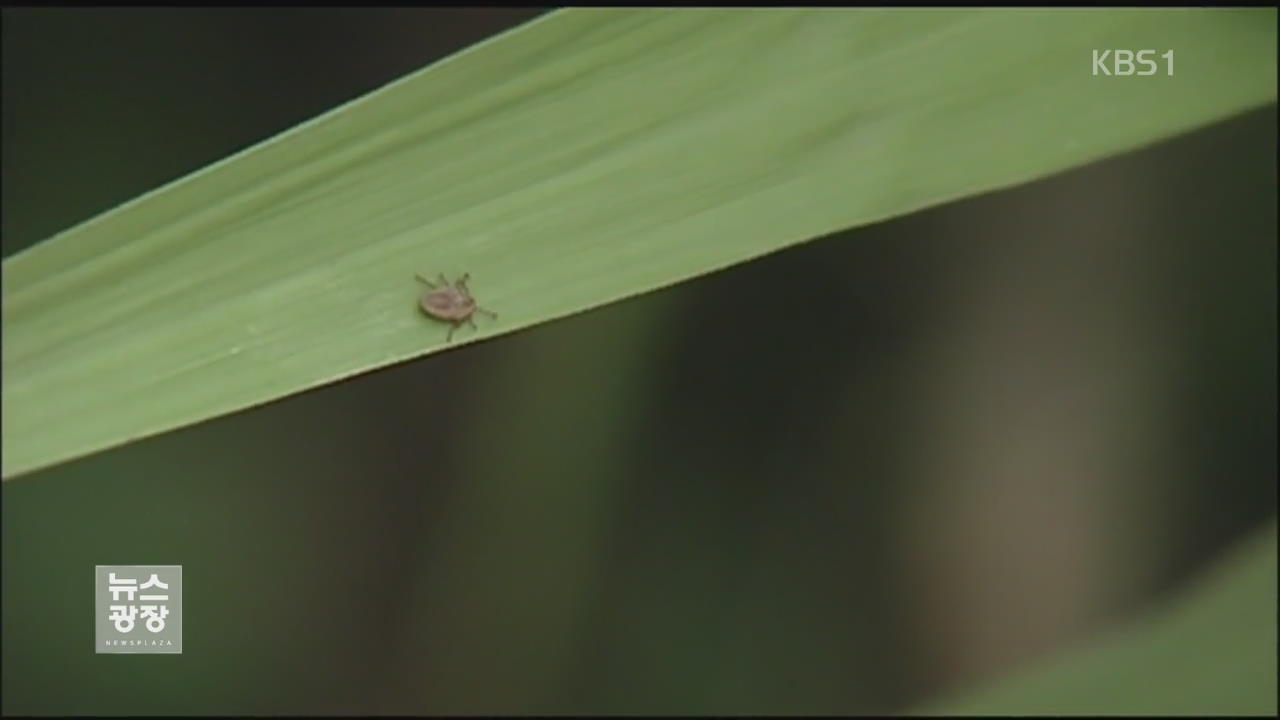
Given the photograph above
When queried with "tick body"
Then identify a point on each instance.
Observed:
(450, 302)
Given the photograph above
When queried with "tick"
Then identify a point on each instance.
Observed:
(450, 302)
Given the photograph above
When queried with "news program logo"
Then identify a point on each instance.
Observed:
(138, 609)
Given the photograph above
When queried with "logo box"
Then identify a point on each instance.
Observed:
(138, 609)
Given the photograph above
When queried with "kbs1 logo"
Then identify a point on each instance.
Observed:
(1123, 63)
(138, 608)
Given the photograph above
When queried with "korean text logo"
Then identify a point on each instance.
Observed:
(138, 608)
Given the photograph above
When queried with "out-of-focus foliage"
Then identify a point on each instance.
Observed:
(1212, 653)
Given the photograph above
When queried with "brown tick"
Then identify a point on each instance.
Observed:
(451, 303)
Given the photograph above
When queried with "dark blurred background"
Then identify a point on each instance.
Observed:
(1041, 411)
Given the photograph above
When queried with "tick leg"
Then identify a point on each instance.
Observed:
(422, 279)
(443, 281)
(490, 313)
(462, 281)
(449, 337)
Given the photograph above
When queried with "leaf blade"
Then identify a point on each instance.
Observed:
(583, 158)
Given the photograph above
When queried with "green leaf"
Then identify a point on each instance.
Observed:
(581, 159)
(1212, 654)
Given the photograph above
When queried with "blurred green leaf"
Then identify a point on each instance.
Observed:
(586, 157)
(1212, 654)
